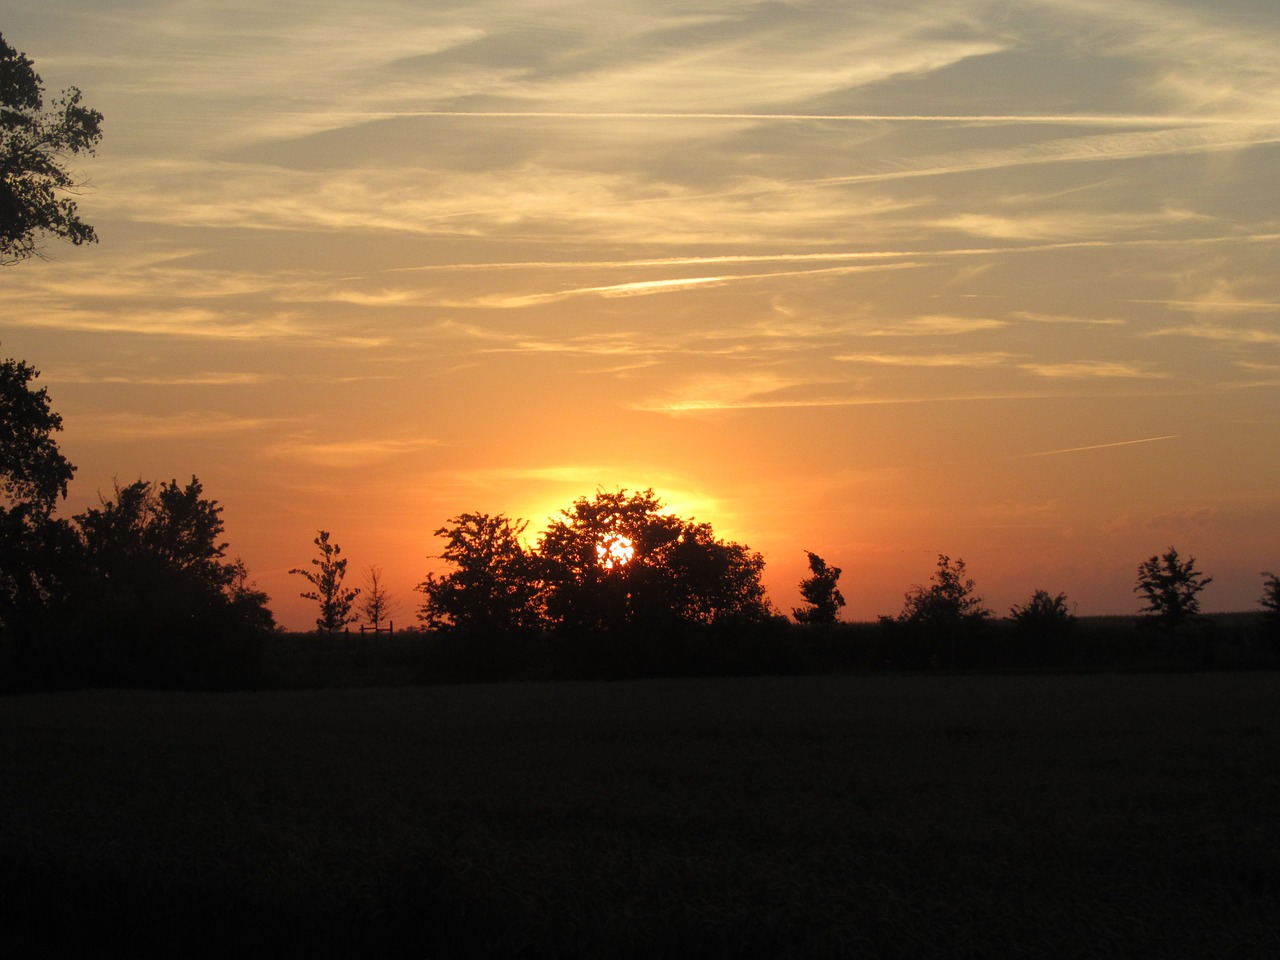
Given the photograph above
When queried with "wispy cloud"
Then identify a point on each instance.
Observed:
(97, 428)
(356, 452)
(1090, 369)
(640, 288)
(934, 326)
(1220, 332)
(992, 359)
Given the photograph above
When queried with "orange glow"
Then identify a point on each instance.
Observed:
(617, 551)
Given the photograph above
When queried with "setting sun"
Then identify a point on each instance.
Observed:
(617, 551)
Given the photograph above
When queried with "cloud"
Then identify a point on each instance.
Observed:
(1055, 318)
(100, 428)
(1091, 369)
(940, 325)
(1220, 333)
(230, 378)
(929, 360)
(346, 454)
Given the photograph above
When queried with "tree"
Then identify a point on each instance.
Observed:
(948, 602)
(335, 602)
(619, 562)
(156, 601)
(378, 603)
(32, 469)
(35, 148)
(1170, 587)
(37, 552)
(1043, 613)
(1271, 600)
(494, 588)
(820, 593)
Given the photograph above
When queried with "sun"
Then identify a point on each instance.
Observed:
(616, 551)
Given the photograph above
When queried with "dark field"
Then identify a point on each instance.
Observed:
(1069, 816)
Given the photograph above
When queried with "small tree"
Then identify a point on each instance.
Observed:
(1271, 601)
(35, 146)
(948, 601)
(335, 602)
(1170, 587)
(820, 593)
(1043, 613)
(494, 587)
(378, 603)
(940, 612)
(32, 469)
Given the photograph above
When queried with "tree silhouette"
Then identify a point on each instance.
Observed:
(157, 602)
(948, 601)
(35, 147)
(494, 586)
(939, 615)
(1271, 601)
(1170, 587)
(32, 469)
(820, 593)
(1043, 613)
(378, 603)
(617, 562)
(335, 602)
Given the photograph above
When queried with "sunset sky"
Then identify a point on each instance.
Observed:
(880, 280)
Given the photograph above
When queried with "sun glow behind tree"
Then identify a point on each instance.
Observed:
(615, 551)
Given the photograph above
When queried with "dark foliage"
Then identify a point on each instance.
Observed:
(35, 147)
(326, 580)
(617, 563)
(32, 469)
(1169, 587)
(158, 603)
(494, 587)
(938, 622)
(820, 592)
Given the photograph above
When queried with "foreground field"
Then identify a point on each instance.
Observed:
(1104, 816)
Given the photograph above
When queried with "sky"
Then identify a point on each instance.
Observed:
(880, 280)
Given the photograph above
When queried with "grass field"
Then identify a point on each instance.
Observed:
(1069, 816)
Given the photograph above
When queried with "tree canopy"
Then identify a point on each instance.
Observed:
(334, 599)
(36, 146)
(33, 470)
(1169, 587)
(495, 585)
(616, 562)
(820, 593)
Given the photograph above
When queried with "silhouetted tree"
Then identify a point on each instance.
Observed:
(937, 615)
(493, 589)
(1170, 587)
(35, 146)
(820, 592)
(37, 552)
(158, 602)
(618, 562)
(378, 603)
(948, 601)
(33, 470)
(1043, 613)
(331, 568)
(1271, 601)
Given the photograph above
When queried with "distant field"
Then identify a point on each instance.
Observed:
(1068, 816)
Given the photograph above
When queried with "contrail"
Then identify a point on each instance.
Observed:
(1052, 118)
(1096, 446)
